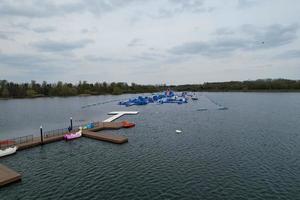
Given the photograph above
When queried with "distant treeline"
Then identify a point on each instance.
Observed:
(34, 89)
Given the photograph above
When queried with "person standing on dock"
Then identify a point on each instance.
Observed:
(69, 129)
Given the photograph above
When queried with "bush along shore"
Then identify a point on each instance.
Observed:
(60, 89)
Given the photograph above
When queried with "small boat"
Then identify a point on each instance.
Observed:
(222, 108)
(202, 109)
(178, 131)
(127, 124)
(71, 136)
(8, 151)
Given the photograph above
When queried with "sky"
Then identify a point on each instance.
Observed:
(149, 42)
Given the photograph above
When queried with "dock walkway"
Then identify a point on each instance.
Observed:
(117, 139)
(99, 126)
(8, 176)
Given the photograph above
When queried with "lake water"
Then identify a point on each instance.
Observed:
(250, 151)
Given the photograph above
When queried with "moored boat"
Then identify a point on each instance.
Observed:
(71, 136)
(127, 124)
(8, 151)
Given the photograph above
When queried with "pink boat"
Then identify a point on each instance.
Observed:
(71, 136)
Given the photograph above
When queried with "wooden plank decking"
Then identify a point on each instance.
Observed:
(117, 139)
(98, 127)
(37, 141)
(8, 176)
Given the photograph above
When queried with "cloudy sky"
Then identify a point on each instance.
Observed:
(154, 41)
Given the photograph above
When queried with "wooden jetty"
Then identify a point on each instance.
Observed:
(8, 176)
(90, 133)
(37, 141)
(99, 126)
(117, 139)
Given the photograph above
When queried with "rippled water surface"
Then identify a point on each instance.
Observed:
(250, 151)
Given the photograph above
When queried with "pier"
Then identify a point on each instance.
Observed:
(8, 176)
(90, 133)
(117, 139)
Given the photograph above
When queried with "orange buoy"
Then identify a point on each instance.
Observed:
(127, 124)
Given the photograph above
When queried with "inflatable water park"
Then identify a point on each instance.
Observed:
(168, 96)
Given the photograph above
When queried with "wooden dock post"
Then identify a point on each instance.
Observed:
(41, 131)
(71, 123)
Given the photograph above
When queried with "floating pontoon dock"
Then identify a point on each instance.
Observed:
(118, 114)
(8, 176)
(117, 139)
(99, 126)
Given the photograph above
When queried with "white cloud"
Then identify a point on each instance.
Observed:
(159, 41)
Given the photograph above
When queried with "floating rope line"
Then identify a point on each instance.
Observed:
(220, 107)
(101, 103)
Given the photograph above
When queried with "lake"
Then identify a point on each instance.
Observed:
(250, 151)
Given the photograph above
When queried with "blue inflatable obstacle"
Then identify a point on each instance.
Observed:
(136, 101)
(89, 126)
(174, 99)
(166, 97)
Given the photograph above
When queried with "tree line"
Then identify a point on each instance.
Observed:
(34, 89)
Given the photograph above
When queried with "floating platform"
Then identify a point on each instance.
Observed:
(118, 114)
(117, 139)
(99, 126)
(8, 176)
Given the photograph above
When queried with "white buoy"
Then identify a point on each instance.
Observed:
(178, 131)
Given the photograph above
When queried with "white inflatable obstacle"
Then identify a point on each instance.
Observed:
(118, 114)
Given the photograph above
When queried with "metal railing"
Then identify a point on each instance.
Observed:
(15, 141)
(56, 132)
(62, 131)
(47, 134)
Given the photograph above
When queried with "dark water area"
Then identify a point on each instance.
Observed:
(250, 151)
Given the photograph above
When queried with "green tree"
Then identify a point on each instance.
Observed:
(31, 93)
(5, 92)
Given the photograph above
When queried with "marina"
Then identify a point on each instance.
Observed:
(8, 176)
